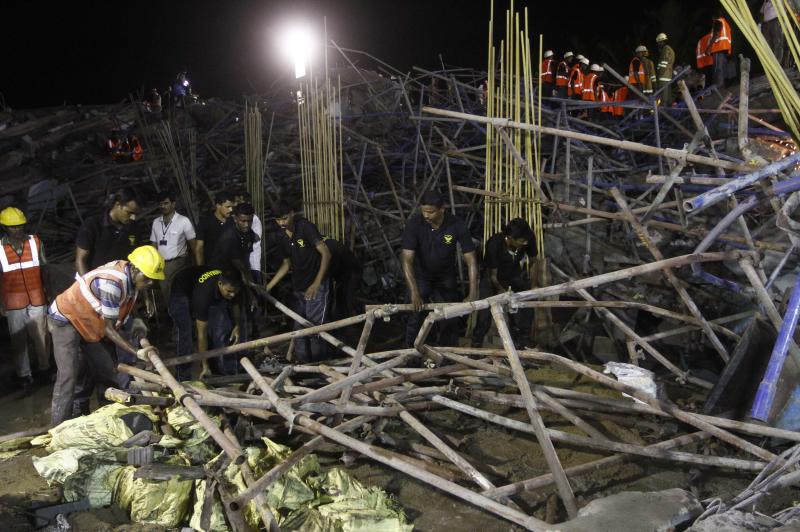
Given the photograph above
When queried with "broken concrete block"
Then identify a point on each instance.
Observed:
(735, 520)
(636, 511)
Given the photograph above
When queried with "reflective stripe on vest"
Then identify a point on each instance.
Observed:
(86, 292)
(33, 263)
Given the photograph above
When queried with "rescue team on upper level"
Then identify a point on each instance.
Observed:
(574, 77)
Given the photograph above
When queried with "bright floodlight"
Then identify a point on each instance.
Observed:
(297, 44)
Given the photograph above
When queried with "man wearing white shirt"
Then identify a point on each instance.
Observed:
(173, 235)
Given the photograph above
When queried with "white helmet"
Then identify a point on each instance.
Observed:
(580, 57)
(596, 68)
(641, 48)
(661, 37)
(548, 53)
(584, 61)
(567, 55)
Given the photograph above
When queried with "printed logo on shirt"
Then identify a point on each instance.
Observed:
(132, 239)
(208, 275)
(448, 239)
(301, 242)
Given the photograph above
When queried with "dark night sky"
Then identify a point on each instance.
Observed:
(97, 52)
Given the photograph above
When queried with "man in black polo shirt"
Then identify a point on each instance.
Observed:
(205, 295)
(235, 243)
(429, 264)
(308, 257)
(505, 260)
(108, 236)
(211, 226)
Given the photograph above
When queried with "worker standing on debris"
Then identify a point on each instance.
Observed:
(548, 73)
(562, 75)
(428, 258)
(704, 59)
(23, 295)
(719, 48)
(173, 235)
(210, 227)
(665, 67)
(234, 245)
(239, 197)
(771, 28)
(306, 254)
(591, 83)
(84, 322)
(108, 236)
(505, 267)
(641, 72)
(576, 75)
(207, 297)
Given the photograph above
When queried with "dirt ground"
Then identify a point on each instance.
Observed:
(502, 455)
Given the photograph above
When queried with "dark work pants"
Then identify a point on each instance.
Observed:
(561, 92)
(312, 348)
(344, 294)
(436, 290)
(220, 325)
(181, 315)
(719, 69)
(519, 322)
(776, 41)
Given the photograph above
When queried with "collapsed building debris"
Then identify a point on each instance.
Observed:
(668, 238)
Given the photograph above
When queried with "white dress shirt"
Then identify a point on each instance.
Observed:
(170, 238)
(255, 256)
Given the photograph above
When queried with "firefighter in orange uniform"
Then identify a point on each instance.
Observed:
(719, 48)
(84, 321)
(24, 297)
(548, 74)
(562, 75)
(576, 75)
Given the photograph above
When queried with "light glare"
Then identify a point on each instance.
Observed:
(297, 45)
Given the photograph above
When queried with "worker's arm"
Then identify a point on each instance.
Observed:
(81, 260)
(237, 314)
(496, 286)
(201, 327)
(280, 274)
(114, 335)
(472, 268)
(325, 260)
(407, 261)
(193, 248)
(198, 248)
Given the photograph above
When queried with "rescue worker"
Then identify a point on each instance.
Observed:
(771, 29)
(305, 253)
(84, 322)
(505, 267)
(172, 234)
(24, 295)
(428, 258)
(210, 227)
(664, 68)
(136, 149)
(206, 297)
(562, 75)
(591, 82)
(153, 102)
(548, 74)
(108, 236)
(719, 48)
(704, 59)
(641, 72)
(234, 246)
(576, 75)
(241, 196)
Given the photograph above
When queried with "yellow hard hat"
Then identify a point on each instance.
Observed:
(12, 216)
(149, 261)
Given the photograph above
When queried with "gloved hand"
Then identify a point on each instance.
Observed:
(138, 331)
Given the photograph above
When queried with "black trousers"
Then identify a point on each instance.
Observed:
(520, 322)
(435, 290)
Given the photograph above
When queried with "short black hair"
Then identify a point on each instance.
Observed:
(222, 196)
(281, 209)
(431, 197)
(245, 209)
(166, 194)
(241, 192)
(518, 228)
(122, 196)
(231, 278)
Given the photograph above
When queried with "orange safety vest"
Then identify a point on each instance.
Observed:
(722, 42)
(547, 70)
(620, 95)
(589, 87)
(22, 275)
(704, 60)
(603, 97)
(575, 85)
(82, 308)
(562, 74)
(138, 151)
(636, 72)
